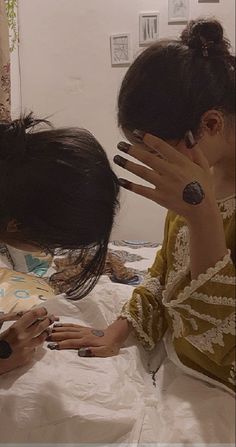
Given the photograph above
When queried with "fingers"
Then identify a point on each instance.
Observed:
(84, 348)
(101, 351)
(11, 316)
(146, 155)
(164, 149)
(59, 341)
(67, 329)
(31, 317)
(144, 191)
(65, 335)
(40, 326)
(37, 341)
(141, 171)
(73, 343)
(66, 325)
(199, 158)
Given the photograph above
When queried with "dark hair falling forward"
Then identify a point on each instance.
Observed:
(173, 82)
(57, 184)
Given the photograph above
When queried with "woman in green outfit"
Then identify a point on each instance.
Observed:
(179, 94)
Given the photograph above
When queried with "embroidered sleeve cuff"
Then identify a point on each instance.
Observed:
(195, 283)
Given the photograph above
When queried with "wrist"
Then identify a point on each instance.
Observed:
(206, 213)
(119, 330)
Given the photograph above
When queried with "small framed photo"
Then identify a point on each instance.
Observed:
(178, 11)
(120, 49)
(148, 27)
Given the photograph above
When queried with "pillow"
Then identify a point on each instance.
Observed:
(36, 263)
(20, 292)
(5, 259)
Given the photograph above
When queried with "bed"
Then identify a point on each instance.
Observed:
(62, 398)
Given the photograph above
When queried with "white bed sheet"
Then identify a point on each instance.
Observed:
(62, 398)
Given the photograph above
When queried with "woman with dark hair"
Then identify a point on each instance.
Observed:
(180, 95)
(57, 191)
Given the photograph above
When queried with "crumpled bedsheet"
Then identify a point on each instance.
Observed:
(62, 398)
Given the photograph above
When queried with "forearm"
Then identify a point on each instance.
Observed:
(120, 330)
(207, 239)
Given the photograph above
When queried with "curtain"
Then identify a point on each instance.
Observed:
(5, 89)
(10, 98)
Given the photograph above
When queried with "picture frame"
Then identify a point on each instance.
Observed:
(149, 24)
(120, 45)
(178, 11)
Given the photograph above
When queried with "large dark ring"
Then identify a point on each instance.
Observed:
(193, 193)
(5, 349)
(97, 333)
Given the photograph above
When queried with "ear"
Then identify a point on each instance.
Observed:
(212, 122)
(13, 226)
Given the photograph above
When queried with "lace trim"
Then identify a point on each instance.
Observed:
(204, 342)
(148, 342)
(232, 374)
(205, 317)
(224, 279)
(227, 207)
(153, 285)
(225, 199)
(195, 283)
(218, 300)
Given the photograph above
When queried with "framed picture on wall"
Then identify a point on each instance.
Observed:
(148, 27)
(120, 49)
(178, 11)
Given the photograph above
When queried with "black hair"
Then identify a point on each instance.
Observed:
(174, 82)
(57, 184)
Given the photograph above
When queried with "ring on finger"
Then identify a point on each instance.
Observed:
(85, 352)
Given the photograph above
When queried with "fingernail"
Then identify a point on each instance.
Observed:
(123, 146)
(120, 161)
(124, 183)
(189, 140)
(139, 134)
(53, 346)
(85, 352)
(57, 325)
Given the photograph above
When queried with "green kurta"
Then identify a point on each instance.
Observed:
(199, 315)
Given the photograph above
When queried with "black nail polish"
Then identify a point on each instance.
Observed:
(120, 161)
(85, 352)
(189, 140)
(53, 346)
(124, 183)
(123, 146)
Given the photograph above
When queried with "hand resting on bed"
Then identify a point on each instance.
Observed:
(90, 342)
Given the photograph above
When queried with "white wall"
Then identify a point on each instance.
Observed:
(66, 72)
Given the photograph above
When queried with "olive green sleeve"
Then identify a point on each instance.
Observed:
(144, 310)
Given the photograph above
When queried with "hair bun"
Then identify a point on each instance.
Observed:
(205, 36)
(13, 137)
(12, 141)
